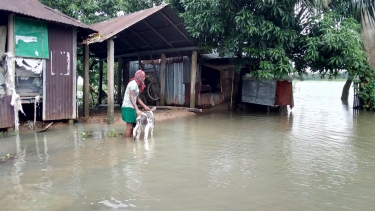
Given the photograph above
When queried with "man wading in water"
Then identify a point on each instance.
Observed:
(129, 106)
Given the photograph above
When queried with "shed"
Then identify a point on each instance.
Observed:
(150, 34)
(214, 82)
(38, 53)
(267, 92)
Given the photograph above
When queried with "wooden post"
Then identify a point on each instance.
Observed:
(125, 75)
(163, 68)
(139, 63)
(86, 79)
(119, 77)
(193, 78)
(100, 88)
(12, 64)
(110, 80)
(231, 95)
(75, 77)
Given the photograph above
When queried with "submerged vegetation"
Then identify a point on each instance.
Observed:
(111, 133)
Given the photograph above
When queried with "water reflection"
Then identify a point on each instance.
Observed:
(19, 164)
(313, 157)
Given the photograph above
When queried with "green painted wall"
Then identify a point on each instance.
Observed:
(30, 38)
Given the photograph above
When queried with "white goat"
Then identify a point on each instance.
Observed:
(145, 122)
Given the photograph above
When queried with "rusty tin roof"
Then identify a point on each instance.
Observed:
(151, 30)
(34, 8)
(113, 26)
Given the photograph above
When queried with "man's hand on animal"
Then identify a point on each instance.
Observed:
(129, 108)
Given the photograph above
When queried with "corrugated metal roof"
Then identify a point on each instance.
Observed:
(34, 8)
(111, 27)
(220, 67)
(150, 30)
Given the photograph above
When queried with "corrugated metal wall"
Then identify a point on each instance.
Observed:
(176, 75)
(59, 75)
(6, 112)
(175, 89)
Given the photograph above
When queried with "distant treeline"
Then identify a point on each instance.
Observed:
(317, 76)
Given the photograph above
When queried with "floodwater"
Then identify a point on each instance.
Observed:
(318, 156)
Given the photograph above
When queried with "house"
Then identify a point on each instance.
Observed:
(38, 54)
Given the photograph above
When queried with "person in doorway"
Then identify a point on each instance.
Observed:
(129, 107)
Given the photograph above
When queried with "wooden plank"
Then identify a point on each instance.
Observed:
(100, 82)
(6, 112)
(3, 36)
(86, 79)
(110, 81)
(162, 79)
(159, 51)
(193, 78)
(12, 65)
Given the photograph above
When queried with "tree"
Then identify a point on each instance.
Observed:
(275, 38)
(261, 35)
(335, 44)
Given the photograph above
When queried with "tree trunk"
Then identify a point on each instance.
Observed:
(345, 89)
(368, 34)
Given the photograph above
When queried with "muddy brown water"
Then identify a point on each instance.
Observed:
(318, 156)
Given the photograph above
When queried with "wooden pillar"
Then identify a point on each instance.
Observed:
(100, 88)
(119, 77)
(231, 94)
(12, 64)
(86, 89)
(110, 80)
(125, 74)
(193, 78)
(139, 63)
(163, 68)
(75, 76)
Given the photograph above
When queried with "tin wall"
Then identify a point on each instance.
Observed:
(59, 90)
(262, 92)
(175, 89)
(177, 73)
(6, 112)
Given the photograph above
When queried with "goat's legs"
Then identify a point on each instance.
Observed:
(147, 128)
(135, 131)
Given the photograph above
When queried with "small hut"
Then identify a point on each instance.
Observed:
(267, 92)
(38, 53)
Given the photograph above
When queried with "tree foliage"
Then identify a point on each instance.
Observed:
(267, 37)
(275, 38)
